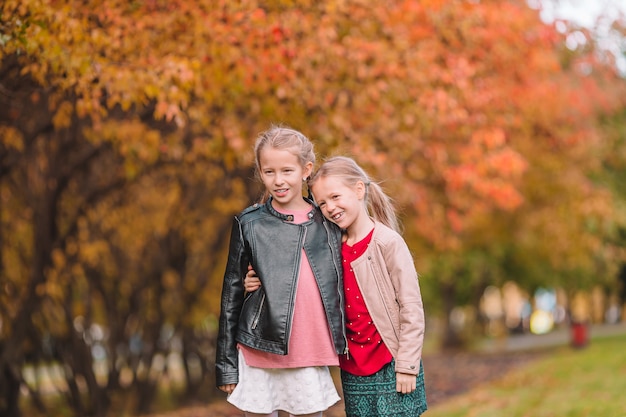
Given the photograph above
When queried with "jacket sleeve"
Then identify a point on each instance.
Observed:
(226, 363)
(401, 269)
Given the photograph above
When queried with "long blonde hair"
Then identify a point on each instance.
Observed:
(283, 138)
(379, 205)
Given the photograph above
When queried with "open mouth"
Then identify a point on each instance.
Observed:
(337, 216)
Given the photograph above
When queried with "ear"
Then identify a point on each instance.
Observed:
(360, 190)
(308, 170)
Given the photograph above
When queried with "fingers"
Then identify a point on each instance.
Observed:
(251, 272)
(228, 389)
(405, 383)
(251, 284)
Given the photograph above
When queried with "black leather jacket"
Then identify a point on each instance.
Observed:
(273, 245)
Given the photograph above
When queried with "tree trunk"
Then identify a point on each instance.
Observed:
(9, 393)
(451, 340)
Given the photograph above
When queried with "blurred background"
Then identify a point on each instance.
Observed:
(126, 134)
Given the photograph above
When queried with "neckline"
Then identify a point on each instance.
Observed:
(367, 237)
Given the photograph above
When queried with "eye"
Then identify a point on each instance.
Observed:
(322, 204)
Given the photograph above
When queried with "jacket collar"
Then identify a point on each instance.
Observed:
(288, 217)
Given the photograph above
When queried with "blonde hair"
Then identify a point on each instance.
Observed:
(283, 138)
(379, 205)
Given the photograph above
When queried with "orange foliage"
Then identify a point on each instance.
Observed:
(453, 103)
(127, 131)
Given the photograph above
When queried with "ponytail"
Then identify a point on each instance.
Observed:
(380, 206)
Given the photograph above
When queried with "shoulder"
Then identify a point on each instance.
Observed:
(391, 245)
(385, 234)
(389, 241)
(251, 212)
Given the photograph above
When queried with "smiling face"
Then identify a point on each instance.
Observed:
(340, 203)
(282, 174)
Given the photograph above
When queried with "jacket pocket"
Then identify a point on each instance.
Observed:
(257, 315)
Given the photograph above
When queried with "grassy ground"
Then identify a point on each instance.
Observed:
(590, 382)
(545, 382)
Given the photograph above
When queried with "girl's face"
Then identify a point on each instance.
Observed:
(340, 203)
(282, 174)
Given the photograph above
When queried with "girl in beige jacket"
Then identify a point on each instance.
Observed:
(382, 374)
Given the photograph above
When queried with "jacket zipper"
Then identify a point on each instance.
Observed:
(340, 292)
(295, 287)
(255, 322)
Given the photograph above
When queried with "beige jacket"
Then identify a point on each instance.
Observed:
(388, 280)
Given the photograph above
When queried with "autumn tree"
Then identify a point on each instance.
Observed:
(126, 132)
(86, 145)
(463, 109)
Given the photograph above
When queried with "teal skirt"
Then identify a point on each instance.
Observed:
(376, 396)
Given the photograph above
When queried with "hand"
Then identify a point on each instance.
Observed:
(251, 282)
(228, 389)
(405, 383)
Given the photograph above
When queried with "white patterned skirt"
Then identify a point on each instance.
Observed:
(294, 390)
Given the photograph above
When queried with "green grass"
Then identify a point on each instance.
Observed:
(590, 382)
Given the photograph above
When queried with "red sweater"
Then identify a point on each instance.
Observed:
(367, 352)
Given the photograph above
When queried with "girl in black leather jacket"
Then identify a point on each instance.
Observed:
(275, 345)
